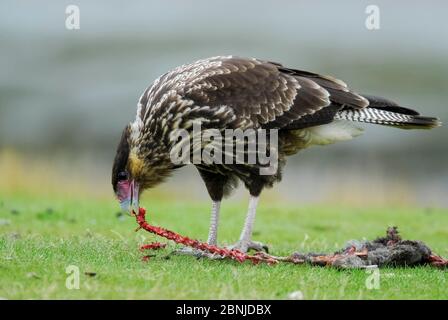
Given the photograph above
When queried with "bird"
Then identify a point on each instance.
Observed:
(236, 93)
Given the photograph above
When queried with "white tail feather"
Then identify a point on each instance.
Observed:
(335, 131)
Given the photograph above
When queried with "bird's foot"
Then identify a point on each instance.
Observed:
(196, 253)
(246, 246)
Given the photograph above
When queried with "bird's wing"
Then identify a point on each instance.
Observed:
(247, 93)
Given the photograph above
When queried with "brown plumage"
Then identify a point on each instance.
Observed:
(242, 93)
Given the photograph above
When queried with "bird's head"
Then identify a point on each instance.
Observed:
(124, 182)
(139, 164)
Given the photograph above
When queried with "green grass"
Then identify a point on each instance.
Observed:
(40, 237)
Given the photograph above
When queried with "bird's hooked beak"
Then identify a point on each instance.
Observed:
(127, 194)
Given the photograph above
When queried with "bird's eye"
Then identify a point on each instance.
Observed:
(123, 175)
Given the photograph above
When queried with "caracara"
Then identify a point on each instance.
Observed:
(228, 92)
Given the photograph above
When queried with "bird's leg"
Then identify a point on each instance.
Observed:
(245, 242)
(214, 221)
(212, 234)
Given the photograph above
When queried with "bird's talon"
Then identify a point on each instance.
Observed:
(266, 248)
(246, 246)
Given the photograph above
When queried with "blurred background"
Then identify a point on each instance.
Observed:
(65, 95)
